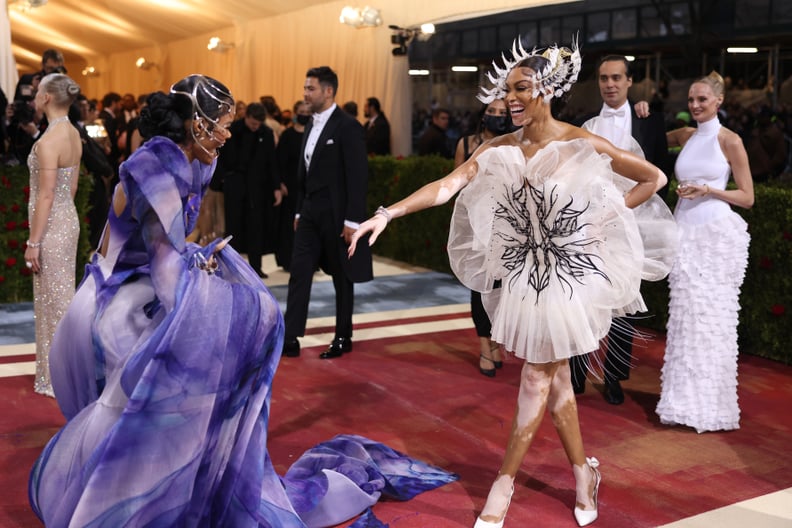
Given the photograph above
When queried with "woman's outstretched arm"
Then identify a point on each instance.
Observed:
(437, 192)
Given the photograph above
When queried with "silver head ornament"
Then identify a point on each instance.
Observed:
(557, 77)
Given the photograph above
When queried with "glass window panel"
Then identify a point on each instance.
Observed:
(549, 32)
(506, 35)
(781, 11)
(598, 27)
(528, 34)
(488, 42)
(624, 24)
(651, 23)
(680, 19)
(752, 13)
(470, 42)
(571, 26)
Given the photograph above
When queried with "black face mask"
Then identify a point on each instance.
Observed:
(303, 119)
(496, 124)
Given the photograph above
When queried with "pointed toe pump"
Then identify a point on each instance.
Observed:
(586, 517)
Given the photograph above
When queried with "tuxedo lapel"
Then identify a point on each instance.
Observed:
(327, 134)
(638, 129)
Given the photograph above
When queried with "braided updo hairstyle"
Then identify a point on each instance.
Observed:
(194, 97)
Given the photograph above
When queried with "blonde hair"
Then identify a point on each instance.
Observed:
(61, 87)
(715, 81)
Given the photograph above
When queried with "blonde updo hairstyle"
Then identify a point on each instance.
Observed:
(61, 87)
(714, 81)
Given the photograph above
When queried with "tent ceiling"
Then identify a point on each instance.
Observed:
(84, 29)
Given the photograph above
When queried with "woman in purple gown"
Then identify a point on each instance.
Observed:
(165, 361)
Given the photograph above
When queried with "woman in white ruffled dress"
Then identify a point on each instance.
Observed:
(544, 229)
(700, 369)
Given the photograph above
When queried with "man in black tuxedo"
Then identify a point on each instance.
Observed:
(331, 202)
(618, 123)
(111, 109)
(377, 128)
(248, 170)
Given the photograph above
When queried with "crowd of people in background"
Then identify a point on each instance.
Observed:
(765, 130)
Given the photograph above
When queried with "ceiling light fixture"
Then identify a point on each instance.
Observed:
(428, 28)
(219, 45)
(90, 71)
(27, 5)
(358, 18)
(144, 64)
(742, 50)
(417, 72)
(464, 68)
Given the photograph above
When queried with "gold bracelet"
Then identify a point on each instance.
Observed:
(34, 245)
(707, 187)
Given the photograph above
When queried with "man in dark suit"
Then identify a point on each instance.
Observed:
(434, 139)
(618, 123)
(247, 167)
(331, 202)
(377, 128)
(111, 109)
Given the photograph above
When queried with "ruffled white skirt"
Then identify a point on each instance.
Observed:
(553, 249)
(699, 374)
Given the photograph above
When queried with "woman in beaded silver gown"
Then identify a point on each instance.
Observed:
(51, 249)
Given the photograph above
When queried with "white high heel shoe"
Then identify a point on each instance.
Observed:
(480, 523)
(586, 517)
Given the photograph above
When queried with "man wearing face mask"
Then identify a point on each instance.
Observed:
(377, 129)
(494, 120)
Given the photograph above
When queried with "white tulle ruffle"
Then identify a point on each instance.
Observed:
(699, 376)
(553, 249)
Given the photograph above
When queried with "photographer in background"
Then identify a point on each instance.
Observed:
(24, 128)
(51, 62)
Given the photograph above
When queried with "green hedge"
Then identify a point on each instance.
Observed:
(766, 299)
(418, 239)
(16, 284)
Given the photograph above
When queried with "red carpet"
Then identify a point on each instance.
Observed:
(423, 395)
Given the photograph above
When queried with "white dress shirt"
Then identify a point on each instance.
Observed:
(616, 125)
(319, 121)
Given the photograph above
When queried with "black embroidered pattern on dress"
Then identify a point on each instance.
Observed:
(541, 236)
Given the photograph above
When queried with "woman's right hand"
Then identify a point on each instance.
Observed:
(374, 225)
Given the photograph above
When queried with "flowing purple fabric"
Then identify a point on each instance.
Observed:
(164, 373)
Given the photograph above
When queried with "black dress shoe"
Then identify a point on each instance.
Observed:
(339, 346)
(613, 392)
(291, 348)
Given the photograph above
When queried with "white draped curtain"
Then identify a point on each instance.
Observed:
(8, 67)
(271, 55)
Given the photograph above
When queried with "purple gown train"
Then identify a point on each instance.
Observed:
(164, 371)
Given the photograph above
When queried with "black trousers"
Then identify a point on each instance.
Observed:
(480, 318)
(618, 357)
(316, 243)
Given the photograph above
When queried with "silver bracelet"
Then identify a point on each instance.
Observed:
(384, 212)
(33, 245)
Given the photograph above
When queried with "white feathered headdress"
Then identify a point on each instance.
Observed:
(556, 78)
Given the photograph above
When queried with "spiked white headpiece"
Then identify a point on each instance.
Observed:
(556, 78)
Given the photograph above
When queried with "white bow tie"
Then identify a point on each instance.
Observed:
(610, 112)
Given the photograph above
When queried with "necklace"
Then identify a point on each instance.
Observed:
(57, 120)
